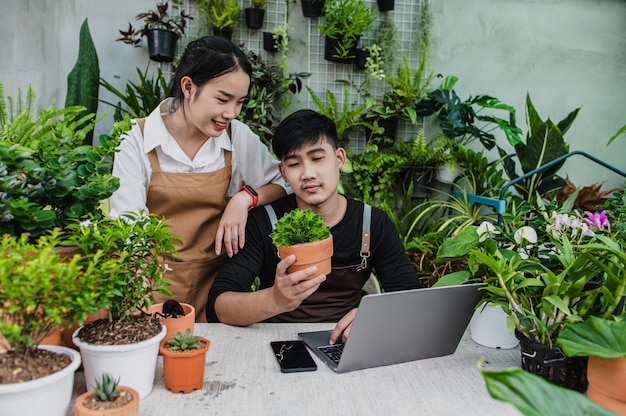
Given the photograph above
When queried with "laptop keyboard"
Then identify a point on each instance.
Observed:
(333, 352)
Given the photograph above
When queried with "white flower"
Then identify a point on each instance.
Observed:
(486, 230)
(525, 233)
(167, 267)
(85, 223)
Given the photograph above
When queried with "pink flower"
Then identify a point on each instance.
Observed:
(598, 220)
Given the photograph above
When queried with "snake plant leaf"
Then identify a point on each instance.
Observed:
(534, 396)
(82, 81)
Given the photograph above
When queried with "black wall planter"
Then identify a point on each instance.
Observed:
(254, 17)
(161, 45)
(331, 51)
(268, 42)
(228, 34)
(312, 8)
(385, 5)
(361, 58)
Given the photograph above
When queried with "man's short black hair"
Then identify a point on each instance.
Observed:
(303, 127)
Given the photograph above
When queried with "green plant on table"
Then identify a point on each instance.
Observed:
(183, 341)
(140, 243)
(299, 227)
(48, 178)
(40, 290)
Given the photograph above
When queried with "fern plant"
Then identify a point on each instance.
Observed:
(105, 388)
(346, 119)
(299, 227)
(183, 341)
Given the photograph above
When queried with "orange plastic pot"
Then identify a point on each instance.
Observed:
(174, 325)
(607, 383)
(311, 254)
(184, 370)
(129, 409)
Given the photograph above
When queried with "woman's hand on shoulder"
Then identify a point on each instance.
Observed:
(232, 227)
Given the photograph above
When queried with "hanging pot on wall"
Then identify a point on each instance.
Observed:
(361, 58)
(161, 45)
(312, 8)
(332, 51)
(254, 17)
(385, 5)
(225, 33)
(269, 44)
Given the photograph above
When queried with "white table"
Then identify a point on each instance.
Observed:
(242, 377)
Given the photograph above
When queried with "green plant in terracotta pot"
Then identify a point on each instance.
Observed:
(304, 234)
(183, 361)
(107, 397)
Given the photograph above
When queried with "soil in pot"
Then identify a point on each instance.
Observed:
(16, 368)
(105, 332)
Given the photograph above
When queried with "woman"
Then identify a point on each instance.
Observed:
(188, 156)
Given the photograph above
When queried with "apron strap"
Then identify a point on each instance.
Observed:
(365, 236)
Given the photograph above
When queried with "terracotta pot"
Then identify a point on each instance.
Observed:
(607, 383)
(184, 371)
(129, 409)
(174, 325)
(313, 254)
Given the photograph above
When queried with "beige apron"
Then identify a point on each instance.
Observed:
(192, 204)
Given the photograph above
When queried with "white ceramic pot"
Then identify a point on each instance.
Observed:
(488, 328)
(50, 395)
(133, 364)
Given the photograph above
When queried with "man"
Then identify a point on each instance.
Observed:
(311, 161)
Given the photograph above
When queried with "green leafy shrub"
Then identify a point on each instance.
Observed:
(299, 227)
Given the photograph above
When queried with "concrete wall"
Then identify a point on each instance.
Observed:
(564, 53)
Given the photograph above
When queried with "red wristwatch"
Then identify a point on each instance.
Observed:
(250, 191)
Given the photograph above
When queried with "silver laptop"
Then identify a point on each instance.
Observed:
(397, 327)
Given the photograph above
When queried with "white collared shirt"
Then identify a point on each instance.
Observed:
(252, 163)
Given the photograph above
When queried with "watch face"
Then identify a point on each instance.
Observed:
(251, 190)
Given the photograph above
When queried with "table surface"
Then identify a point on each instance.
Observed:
(242, 377)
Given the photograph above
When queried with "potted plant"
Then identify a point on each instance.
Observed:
(312, 8)
(223, 15)
(407, 86)
(161, 30)
(39, 290)
(255, 14)
(543, 270)
(268, 95)
(304, 234)
(107, 399)
(184, 357)
(50, 178)
(421, 158)
(177, 317)
(344, 23)
(385, 5)
(126, 342)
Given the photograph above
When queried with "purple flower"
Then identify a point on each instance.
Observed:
(598, 220)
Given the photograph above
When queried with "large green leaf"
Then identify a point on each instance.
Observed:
(594, 337)
(534, 396)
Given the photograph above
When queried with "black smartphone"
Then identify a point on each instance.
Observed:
(292, 356)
